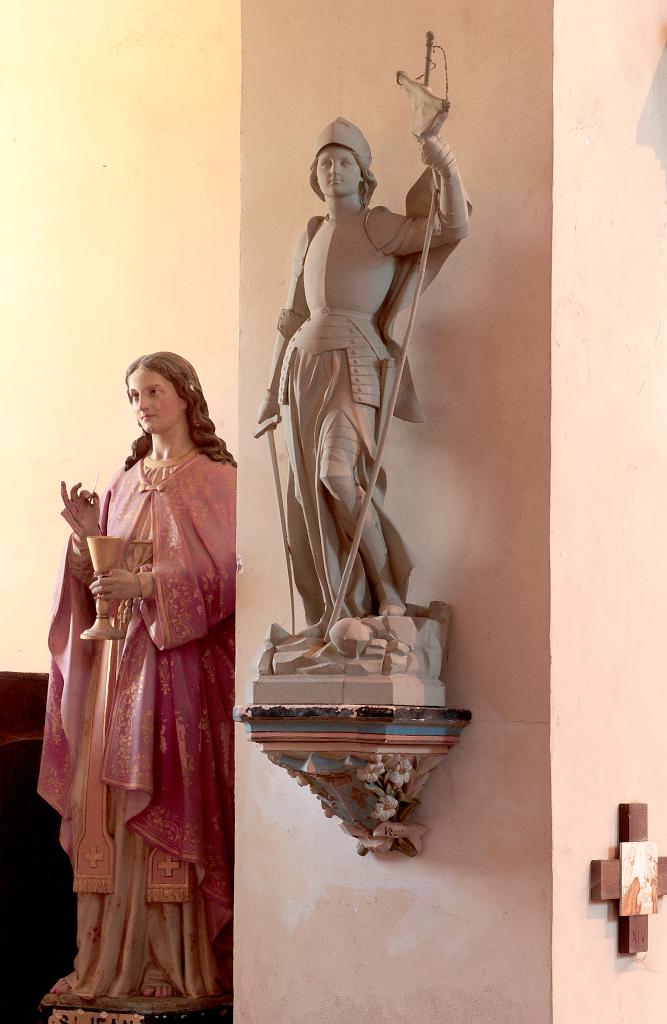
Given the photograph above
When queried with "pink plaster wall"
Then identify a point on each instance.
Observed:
(461, 933)
(609, 486)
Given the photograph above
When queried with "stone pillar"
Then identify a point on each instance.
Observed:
(461, 932)
(609, 486)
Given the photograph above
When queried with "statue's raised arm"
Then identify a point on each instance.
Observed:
(401, 236)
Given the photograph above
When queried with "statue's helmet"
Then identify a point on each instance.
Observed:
(343, 133)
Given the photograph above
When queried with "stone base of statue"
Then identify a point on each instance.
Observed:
(360, 720)
(71, 1009)
(377, 660)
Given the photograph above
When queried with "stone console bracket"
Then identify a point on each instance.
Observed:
(367, 765)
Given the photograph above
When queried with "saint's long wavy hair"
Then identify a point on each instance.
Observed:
(182, 375)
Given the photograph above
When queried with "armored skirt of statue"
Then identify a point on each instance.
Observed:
(138, 749)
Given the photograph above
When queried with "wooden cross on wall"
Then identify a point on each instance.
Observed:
(636, 879)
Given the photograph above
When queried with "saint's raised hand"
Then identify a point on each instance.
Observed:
(81, 511)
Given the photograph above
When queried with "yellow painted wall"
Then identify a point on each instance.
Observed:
(119, 172)
(609, 486)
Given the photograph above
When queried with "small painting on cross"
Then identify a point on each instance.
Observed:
(639, 879)
(636, 879)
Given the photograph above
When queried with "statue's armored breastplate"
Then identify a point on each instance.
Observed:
(343, 269)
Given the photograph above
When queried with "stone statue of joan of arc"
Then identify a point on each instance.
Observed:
(353, 270)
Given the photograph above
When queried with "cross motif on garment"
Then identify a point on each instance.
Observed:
(93, 856)
(636, 878)
(168, 866)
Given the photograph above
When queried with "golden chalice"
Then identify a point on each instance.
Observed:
(105, 554)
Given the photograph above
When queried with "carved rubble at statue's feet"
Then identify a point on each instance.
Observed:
(378, 659)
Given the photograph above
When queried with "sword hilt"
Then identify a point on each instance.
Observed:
(265, 425)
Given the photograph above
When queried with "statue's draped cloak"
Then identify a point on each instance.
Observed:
(169, 735)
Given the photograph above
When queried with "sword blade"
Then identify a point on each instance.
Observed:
(283, 522)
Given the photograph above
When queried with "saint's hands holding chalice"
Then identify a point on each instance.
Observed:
(110, 583)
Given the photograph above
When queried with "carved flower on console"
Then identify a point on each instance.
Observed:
(385, 808)
(399, 771)
(372, 771)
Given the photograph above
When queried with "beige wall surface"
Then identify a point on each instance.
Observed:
(461, 932)
(609, 486)
(119, 206)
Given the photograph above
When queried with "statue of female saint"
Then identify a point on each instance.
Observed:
(138, 751)
(353, 270)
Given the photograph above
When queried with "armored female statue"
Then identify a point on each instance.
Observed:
(334, 356)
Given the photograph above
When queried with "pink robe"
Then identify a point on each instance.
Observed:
(167, 756)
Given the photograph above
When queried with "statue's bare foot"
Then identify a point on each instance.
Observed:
(61, 987)
(157, 991)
